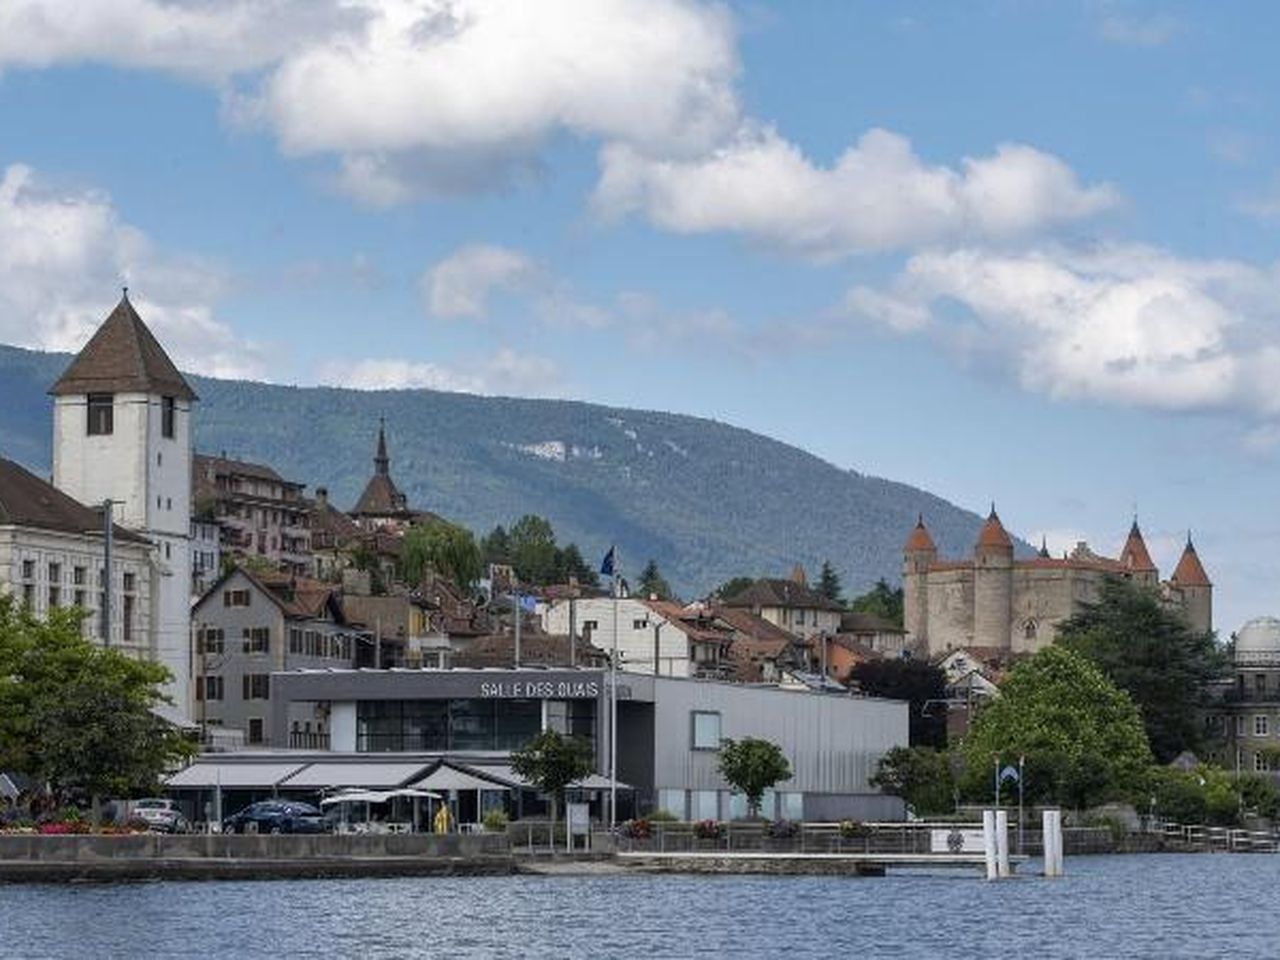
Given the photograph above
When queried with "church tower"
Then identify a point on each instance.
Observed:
(993, 585)
(1192, 583)
(122, 432)
(918, 553)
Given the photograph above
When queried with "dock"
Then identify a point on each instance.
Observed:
(824, 864)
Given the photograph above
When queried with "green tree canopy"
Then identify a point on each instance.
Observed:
(1152, 653)
(753, 766)
(533, 550)
(829, 583)
(919, 775)
(551, 762)
(732, 587)
(77, 716)
(882, 600)
(1081, 735)
(495, 547)
(573, 566)
(922, 684)
(445, 548)
(652, 582)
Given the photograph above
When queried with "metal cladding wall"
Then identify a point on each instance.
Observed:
(833, 742)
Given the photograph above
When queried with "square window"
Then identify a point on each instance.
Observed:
(706, 730)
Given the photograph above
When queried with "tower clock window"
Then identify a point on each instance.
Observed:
(101, 414)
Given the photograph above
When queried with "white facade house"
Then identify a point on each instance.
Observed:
(52, 556)
(122, 433)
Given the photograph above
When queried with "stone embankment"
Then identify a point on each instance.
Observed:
(25, 858)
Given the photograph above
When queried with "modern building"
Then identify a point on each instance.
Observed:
(53, 555)
(122, 435)
(261, 514)
(249, 626)
(790, 604)
(994, 600)
(669, 731)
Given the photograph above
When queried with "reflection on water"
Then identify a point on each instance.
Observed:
(1137, 906)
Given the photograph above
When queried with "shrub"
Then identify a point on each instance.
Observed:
(495, 821)
(708, 830)
(854, 830)
(663, 816)
(782, 829)
(637, 829)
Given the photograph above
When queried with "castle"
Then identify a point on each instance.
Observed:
(996, 602)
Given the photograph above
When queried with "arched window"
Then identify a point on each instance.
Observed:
(1030, 629)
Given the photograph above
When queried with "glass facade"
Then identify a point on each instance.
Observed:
(389, 726)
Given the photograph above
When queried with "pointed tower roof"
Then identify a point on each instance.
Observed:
(1134, 556)
(919, 540)
(993, 533)
(123, 357)
(1044, 548)
(381, 496)
(381, 462)
(1190, 571)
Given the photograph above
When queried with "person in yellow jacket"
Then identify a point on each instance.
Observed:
(442, 819)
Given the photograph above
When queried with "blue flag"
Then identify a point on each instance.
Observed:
(607, 564)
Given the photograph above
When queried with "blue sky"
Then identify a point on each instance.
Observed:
(1009, 250)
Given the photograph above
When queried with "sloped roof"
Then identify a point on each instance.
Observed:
(853, 622)
(28, 501)
(1134, 556)
(919, 539)
(695, 624)
(1190, 571)
(780, 593)
(755, 628)
(123, 357)
(203, 463)
(381, 498)
(993, 533)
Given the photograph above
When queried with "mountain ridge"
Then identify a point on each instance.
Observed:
(707, 500)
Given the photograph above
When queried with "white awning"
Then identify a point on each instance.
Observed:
(447, 778)
(377, 796)
(595, 781)
(205, 773)
(325, 774)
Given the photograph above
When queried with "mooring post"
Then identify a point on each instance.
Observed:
(1052, 831)
(1002, 844)
(989, 842)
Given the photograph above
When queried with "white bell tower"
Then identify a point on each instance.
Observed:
(122, 432)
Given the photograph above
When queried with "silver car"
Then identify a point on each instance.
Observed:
(160, 815)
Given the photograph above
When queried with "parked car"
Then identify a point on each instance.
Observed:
(277, 816)
(159, 814)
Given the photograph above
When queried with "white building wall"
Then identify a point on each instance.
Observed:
(635, 633)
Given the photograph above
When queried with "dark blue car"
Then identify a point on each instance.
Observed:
(277, 816)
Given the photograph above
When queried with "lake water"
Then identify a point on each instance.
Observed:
(1123, 906)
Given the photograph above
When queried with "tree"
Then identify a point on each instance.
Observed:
(829, 583)
(922, 684)
(551, 762)
(731, 588)
(445, 548)
(652, 583)
(77, 716)
(572, 566)
(919, 775)
(753, 766)
(1152, 653)
(881, 600)
(533, 550)
(1082, 737)
(496, 546)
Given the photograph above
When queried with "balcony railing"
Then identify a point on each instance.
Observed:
(302, 740)
(1251, 696)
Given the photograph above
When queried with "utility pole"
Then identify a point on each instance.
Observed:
(515, 611)
(573, 631)
(657, 628)
(107, 525)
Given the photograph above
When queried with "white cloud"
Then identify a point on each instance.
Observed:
(417, 96)
(1122, 323)
(461, 283)
(506, 373)
(65, 252)
(878, 195)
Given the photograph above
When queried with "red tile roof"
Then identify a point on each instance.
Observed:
(919, 539)
(28, 501)
(993, 535)
(1190, 571)
(1134, 556)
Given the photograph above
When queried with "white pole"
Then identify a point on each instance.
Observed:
(1051, 822)
(613, 707)
(989, 842)
(1002, 844)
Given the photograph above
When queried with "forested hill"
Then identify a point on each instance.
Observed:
(706, 500)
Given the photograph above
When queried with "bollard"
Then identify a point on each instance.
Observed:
(1002, 844)
(989, 842)
(1052, 832)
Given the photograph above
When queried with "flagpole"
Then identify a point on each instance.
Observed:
(613, 707)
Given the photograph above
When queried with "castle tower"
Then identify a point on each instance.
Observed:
(381, 504)
(918, 553)
(1190, 580)
(122, 432)
(993, 585)
(1135, 558)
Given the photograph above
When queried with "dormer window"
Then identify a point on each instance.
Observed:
(168, 409)
(101, 414)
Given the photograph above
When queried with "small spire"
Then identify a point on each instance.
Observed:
(1044, 547)
(381, 462)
